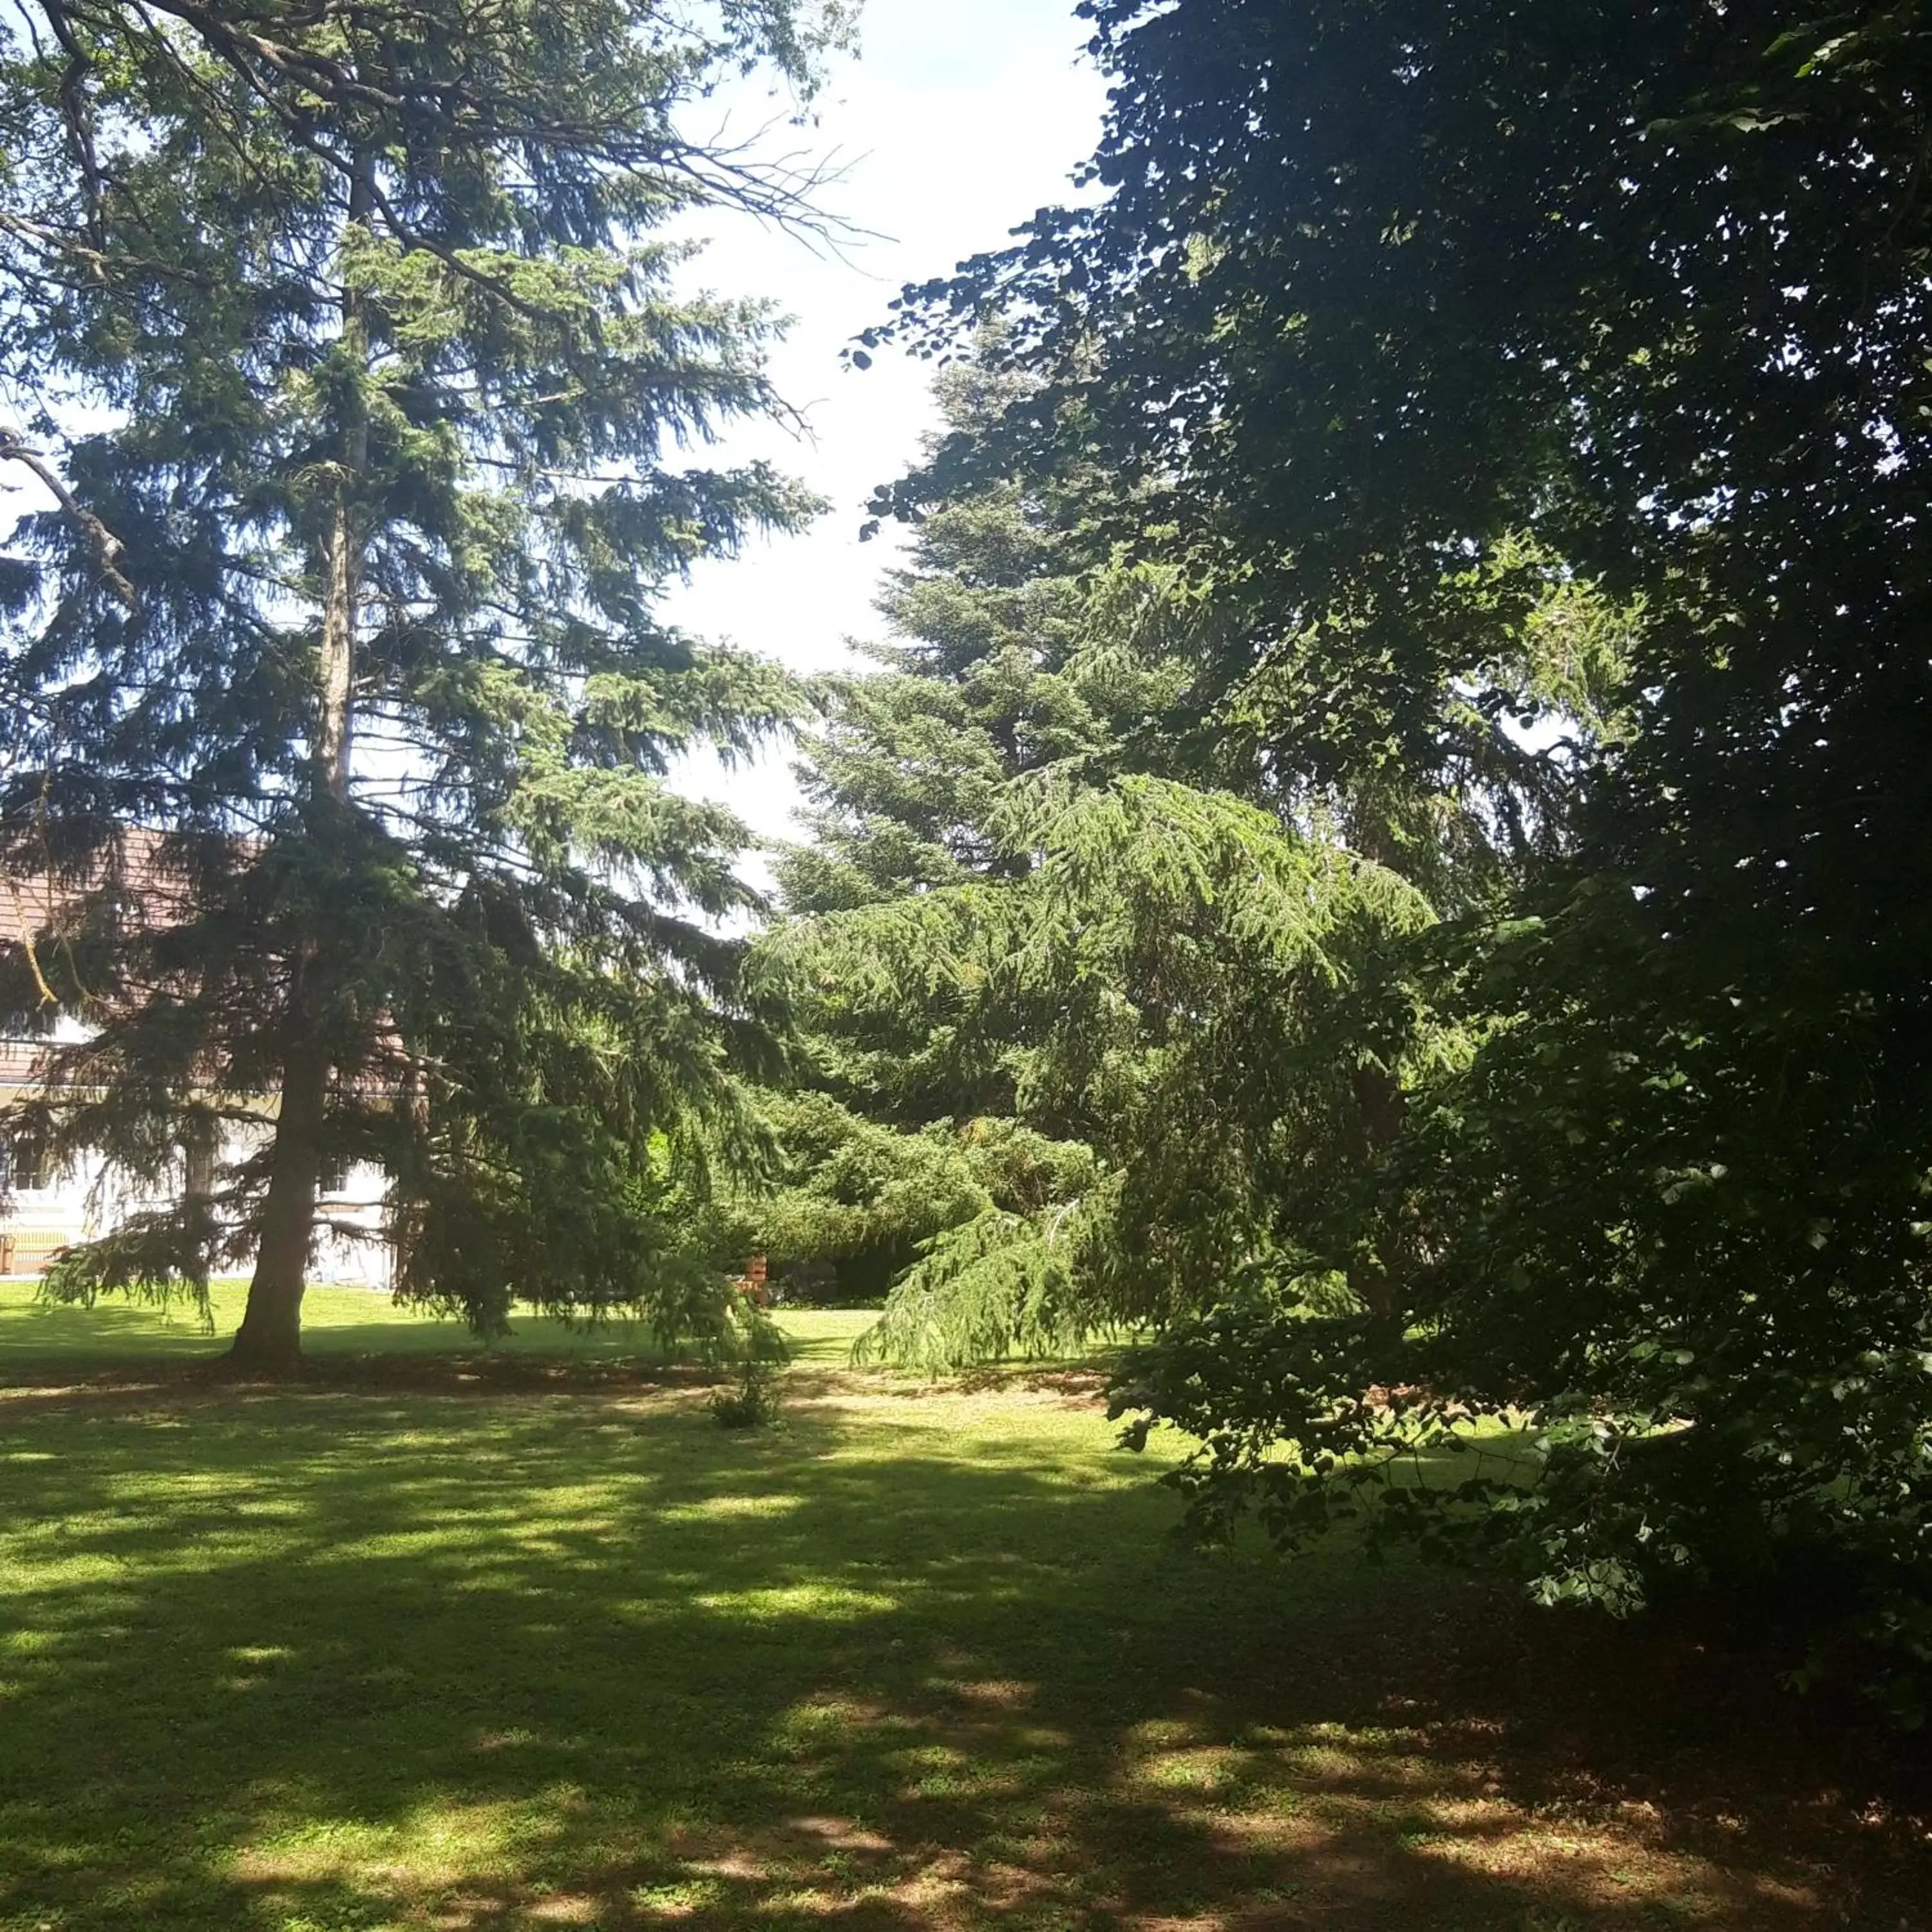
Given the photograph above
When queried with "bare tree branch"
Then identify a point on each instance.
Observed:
(107, 547)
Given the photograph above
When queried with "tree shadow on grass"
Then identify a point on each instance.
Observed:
(121, 1342)
(336, 1659)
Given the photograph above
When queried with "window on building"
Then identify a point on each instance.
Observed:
(334, 1175)
(198, 1164)
(24, 1168)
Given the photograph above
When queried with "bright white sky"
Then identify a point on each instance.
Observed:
(958, 119)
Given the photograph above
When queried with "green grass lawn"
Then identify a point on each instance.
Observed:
(920, 1657)
(336, 1322)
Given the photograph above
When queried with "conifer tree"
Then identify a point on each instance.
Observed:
(1026, 941)
(339, 707)
(1036, 677)
(992, 667)
(1376, 289)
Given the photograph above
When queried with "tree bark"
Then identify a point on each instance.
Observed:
(269, 1339)
(342, 558)
(1380, 1108)
(342, 549)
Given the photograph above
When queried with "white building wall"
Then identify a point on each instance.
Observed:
(86, 1201)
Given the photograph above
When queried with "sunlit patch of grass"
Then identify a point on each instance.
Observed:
(713, 1506)
(824, 1603)
(338, 1321)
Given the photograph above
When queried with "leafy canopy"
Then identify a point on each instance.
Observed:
(1378, 296)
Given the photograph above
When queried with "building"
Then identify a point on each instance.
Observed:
(44, 1210)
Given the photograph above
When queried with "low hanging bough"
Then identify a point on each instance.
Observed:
(1215, 1007)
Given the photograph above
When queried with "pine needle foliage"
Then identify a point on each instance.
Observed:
(1177, 982)
(996, 1285)
(1024, 924)
(848, 1188)
(338, 708)
(1017, 642)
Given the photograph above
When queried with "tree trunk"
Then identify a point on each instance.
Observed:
(342, 549)
(1381, 1107)
(269, 1339)
(341, 561)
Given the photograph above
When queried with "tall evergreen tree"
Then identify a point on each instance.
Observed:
(990, 858)
(993, 666)
(364, 360)
(1376, 291)
(1035, 660)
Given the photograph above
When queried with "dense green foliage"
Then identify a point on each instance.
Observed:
(1029, 944)
(1177, 984)
(998, 663)
(1001, 664)
(1052, 888)
(336, 704)
(1396, 327)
